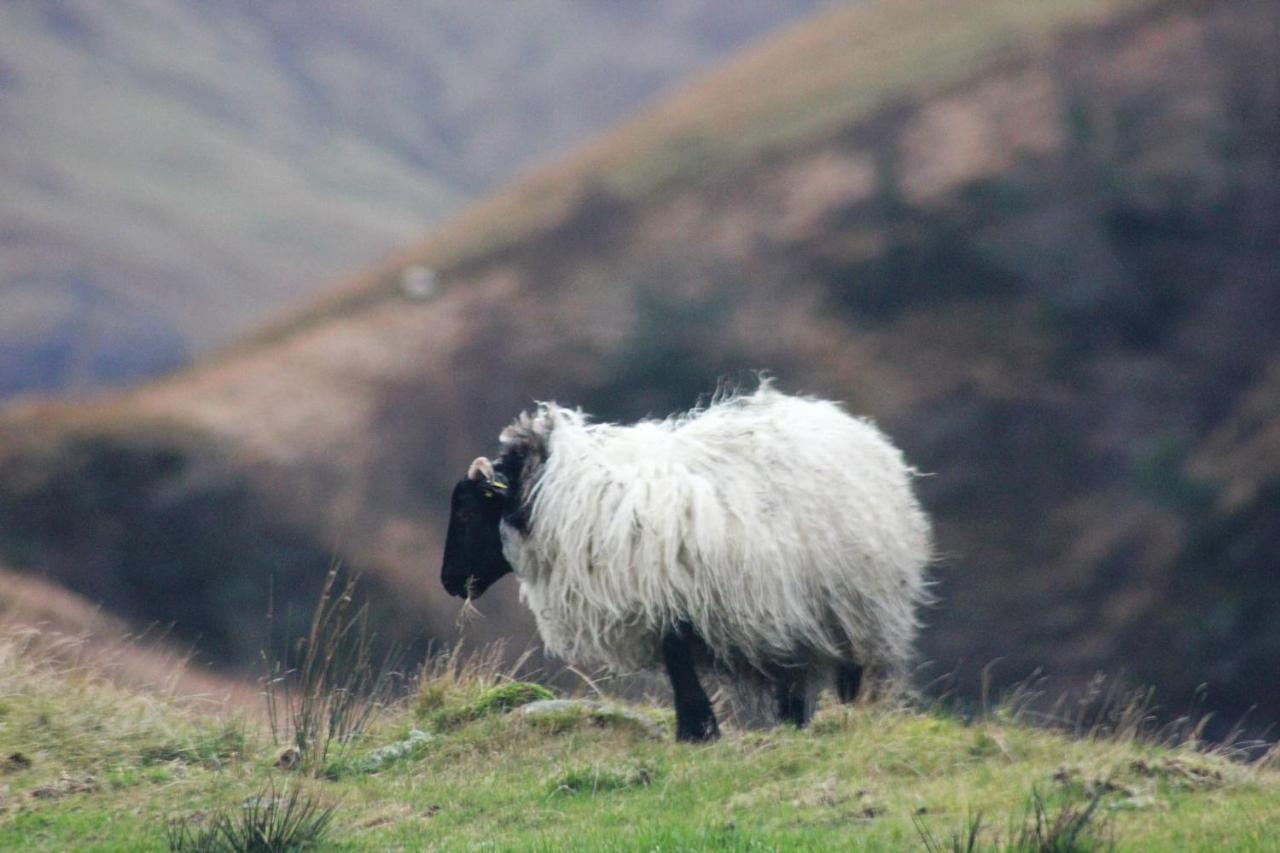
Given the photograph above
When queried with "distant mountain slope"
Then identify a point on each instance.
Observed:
(170, 169)
(1034, 241)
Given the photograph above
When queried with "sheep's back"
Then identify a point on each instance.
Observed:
(779, 526)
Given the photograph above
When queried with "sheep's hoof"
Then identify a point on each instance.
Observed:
(699, 731)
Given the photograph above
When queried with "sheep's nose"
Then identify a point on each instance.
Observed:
(468, 586)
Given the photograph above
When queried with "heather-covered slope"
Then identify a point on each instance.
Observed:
(1036, 242)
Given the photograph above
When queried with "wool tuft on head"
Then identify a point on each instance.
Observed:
(481, 469)
(528, 435)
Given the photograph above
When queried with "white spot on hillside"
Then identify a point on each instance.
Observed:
(418, 282)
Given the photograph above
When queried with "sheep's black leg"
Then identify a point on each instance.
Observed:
(695, 721)
(793, 704)
(848, 681)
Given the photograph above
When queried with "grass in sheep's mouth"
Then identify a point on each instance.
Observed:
(467, 613)
(459, 764)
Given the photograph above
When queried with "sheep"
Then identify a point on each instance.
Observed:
(773, 538)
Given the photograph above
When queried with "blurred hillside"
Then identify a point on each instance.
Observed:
(173, 169)
(52, 624)
(1036, 242)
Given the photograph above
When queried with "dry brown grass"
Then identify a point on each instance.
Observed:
(79, 704)
(54, 624)
(328, 687)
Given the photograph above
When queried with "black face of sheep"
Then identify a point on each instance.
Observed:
(473, 558)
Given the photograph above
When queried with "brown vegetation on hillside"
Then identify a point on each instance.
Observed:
(57, 625)
(1051, 275)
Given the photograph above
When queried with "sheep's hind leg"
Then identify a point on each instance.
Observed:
(793, 701)
(695, 721)
(848, 681)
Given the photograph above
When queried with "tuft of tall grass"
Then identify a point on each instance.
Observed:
(271, 821)
(330, 685)
(963, 840)
(1108, 708)
(1072, 829)
(452, 688)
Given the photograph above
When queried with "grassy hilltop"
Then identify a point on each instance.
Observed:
(91, 766)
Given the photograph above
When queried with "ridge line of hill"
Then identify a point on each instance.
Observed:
(555, 189)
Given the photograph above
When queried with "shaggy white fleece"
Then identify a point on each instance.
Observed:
(784, 530)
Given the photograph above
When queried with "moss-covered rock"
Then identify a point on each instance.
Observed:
(447, 712)
(558, 715)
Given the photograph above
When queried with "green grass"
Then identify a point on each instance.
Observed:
(443, 711)
(115, 770)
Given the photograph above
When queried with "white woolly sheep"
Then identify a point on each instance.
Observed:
(775, 538)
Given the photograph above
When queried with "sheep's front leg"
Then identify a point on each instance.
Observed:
(848, 681)
(695, 721)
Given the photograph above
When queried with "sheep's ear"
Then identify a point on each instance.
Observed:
(481, 469)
